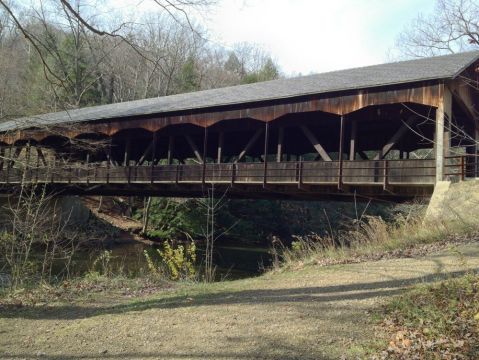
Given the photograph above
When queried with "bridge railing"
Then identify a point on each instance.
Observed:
(367, 172)
(460, 167)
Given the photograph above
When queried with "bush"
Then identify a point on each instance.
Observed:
(174, 263)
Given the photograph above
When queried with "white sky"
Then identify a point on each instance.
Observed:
(307, 36)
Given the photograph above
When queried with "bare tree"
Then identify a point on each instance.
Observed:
(212, 203)
(75, 70)
(452, 27)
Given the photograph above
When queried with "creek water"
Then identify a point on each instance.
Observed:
(231, 261)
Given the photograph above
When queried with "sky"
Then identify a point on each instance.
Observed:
(310, 36)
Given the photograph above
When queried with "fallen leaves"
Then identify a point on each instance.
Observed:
(437, 322)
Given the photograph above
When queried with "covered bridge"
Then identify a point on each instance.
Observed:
(383, 131)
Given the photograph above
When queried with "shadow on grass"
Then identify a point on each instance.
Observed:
(272, 347)
(294, 355)
(320, 294)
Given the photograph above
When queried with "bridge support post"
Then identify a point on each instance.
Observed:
(171, 141)
(300, 173)
(221, 140)
(266, 141)
(126, 158)
(108, 164)
(353, 140)
(340, 154)
(87, 163)
(205, 148)
(279, 153)
(442, 134)
(153, 155)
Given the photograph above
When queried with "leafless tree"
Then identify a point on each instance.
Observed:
(34, 238)
(85, 27)
(212, 203)
(452, 27)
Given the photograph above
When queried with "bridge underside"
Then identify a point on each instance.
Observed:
(390, 145)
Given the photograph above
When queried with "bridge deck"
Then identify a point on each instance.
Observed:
(381, 178)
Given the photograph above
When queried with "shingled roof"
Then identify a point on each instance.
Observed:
(433, 68)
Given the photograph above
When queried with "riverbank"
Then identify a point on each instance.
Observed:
(312, 313)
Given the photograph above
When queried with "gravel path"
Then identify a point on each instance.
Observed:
(313, 313)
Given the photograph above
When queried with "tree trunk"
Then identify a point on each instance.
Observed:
(146, 215)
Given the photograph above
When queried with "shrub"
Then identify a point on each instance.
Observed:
(174, 263)
(101, 264)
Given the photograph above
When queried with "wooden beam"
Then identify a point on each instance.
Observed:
(194, 148)
(341, 145)
(250, 143)
(314, 141)
(205, 155)
(266, 143)
(108, 162)
(442, 137)
(41, 156)
(2, 157)
(395, 138)
(463, 95)
(153, 154)
(363, 155)
(353, 140)
(221, 140)
(171, 143)
(205, 145)
(14, 155)
(87, 162)
(127, 156)
(27, 154)
(153, 146)
(279, 151)
(145, 154)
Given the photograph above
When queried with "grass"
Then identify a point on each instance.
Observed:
(88, 288)
(435, 321)
(373, 238)
(313, 313)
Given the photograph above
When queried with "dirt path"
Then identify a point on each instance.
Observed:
(314, 313)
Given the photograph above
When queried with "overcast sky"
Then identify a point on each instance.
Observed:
(307, 36)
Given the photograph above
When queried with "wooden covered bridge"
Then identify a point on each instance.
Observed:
(384, 131)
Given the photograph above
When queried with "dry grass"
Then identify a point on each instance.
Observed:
(372, 238)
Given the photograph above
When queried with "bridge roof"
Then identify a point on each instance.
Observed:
(403, 72)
